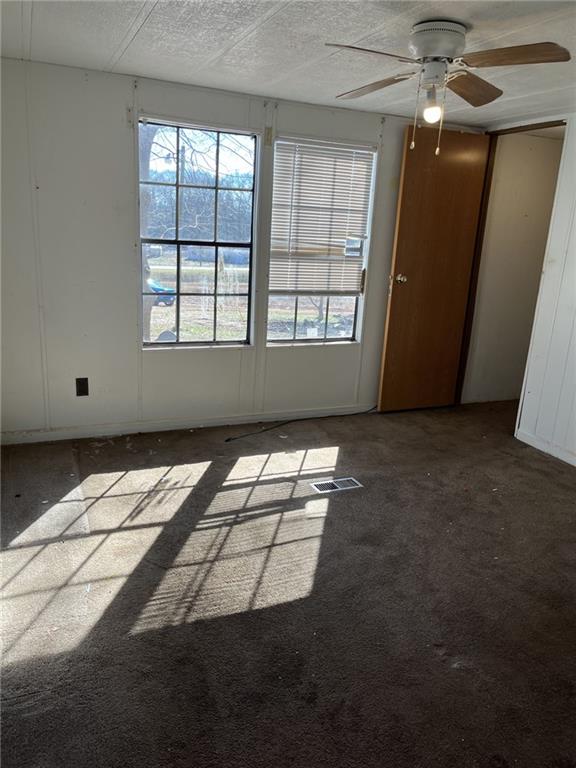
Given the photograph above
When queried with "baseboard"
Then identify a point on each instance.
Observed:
(164, 425)
(547, 447)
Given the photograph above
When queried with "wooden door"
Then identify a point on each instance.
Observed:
(437, 219)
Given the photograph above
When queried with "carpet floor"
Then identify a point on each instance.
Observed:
(172, 600)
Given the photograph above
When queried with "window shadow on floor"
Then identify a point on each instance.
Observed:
(195, 602)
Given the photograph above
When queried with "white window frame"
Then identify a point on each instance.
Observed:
(358, 323)
(182, 122)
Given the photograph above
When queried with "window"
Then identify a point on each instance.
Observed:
(196, 203)
(320, 211)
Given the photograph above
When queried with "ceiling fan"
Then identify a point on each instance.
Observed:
(440, 62)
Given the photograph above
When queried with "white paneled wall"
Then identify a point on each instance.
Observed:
(70, 301)
(24, 396)
(547, 415)
(70, 273)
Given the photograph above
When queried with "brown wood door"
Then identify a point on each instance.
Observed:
(437, 218)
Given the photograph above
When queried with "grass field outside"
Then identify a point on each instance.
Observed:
(197, 312)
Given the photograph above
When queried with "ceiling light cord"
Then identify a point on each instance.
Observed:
(413, 142)
(437, 150)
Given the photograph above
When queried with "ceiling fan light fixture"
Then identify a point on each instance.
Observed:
(437, 38)
(432, 110)
(438, 51)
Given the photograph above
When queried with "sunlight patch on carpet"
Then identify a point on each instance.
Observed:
(62, 572)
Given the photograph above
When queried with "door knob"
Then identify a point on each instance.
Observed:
(400, 278)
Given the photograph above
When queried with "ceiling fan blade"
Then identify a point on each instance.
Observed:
(371, 50)
(371, 87)
(473, 89)
(536, 53)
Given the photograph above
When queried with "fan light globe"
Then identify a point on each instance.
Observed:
(432, 114)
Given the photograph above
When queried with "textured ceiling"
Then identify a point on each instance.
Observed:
(276, 48)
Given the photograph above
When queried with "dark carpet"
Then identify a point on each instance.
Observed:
(175, 601)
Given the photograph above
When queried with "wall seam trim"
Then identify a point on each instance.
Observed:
(135, 138)
(34, 204)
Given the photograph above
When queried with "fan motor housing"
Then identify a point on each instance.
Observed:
(437, 39)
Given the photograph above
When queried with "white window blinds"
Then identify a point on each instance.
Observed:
(320, 207)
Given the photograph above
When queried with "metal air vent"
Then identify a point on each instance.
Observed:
(340, 484)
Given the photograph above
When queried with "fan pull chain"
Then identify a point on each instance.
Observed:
(437, 151)
(413, 142)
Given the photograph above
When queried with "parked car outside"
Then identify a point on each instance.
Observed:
(166, 296)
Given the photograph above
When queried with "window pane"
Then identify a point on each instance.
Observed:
(236, 161)
(233, 270)
(158, 268)
(234, 216)
(159, 320)
(281, 311)
(311, 317)
(197, 264)
(198, 157)
(157, 211)
(195, 190)
(232, 318)
(196, 318)
(341, 312)
(196, 214)
(157, 152)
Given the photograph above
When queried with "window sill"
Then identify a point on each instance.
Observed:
(179, 346)
(319, 343)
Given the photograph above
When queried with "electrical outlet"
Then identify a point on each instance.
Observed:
(81, 387)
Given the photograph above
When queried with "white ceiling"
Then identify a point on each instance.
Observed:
(276, 47)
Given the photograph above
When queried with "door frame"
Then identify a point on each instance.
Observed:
(479, 244)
